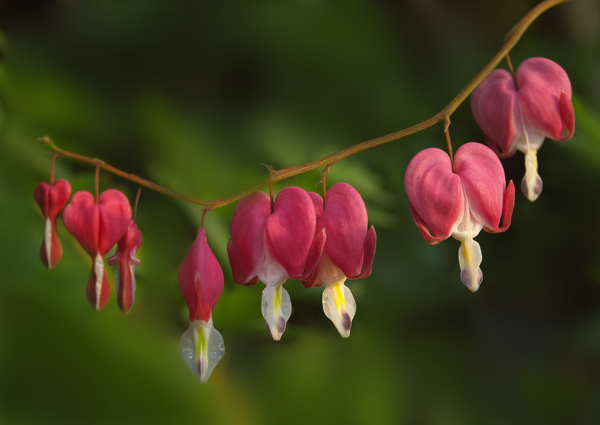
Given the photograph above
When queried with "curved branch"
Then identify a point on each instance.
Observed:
(511, 39)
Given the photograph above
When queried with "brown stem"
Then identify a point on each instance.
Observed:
(512, 37)
(137, 200)
(510, 65)
(448, 141)
(52, 167)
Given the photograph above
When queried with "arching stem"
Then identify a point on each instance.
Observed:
(512, 37)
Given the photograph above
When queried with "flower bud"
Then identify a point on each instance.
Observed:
(201, 284)
(51, 198)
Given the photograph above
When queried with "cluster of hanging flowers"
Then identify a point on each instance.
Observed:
(323, 241)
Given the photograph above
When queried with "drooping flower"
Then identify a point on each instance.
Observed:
(518, 113)
(98, 226)
(51, 198)
(201, 284)
(274, 245)
(348, 254)
(460, 202)
(124, 262)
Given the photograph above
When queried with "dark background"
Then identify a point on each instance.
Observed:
(194, 96)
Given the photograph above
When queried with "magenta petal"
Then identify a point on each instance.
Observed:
(495, 108)
(125, 261)
(246, 247)
(345, 221)
(424, 228)
(568, 115)
(97, 227)
(81, 217)
(318, 203)
(507, 210)
(314, 255)
(200, 279)
(52, 197)
(115, 217)
(542, 83)
(435, 194)
(290, 230)
(369, 254)
(483, 180)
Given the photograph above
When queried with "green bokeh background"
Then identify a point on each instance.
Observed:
(195, 96)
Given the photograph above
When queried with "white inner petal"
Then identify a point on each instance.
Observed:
(276, 308)
(201, 347)
(48, 242)
(339, 306)
(271, 272)
(469, 226)
(469, 258)
(99, 272)
(532, 184)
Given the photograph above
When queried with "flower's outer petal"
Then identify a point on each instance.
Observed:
(369, 254)
(313, 261)
(81, 217)
(290, 230)
(246, 248)
(200, 279)
(51, 200)
(310, 279)
(124, 261)
(115, 217)
(318, 203)
(483, 181)
(435, 194)
(345, 222)
(545, 98)
(507, 210)
(97, 227)
(496, 110)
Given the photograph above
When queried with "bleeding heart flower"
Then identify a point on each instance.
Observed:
(274, 245)
(98, 226)
(124, 261)
(348, 254)
(518, 113)
(459, 203)
(51, 198)
(201, 284)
